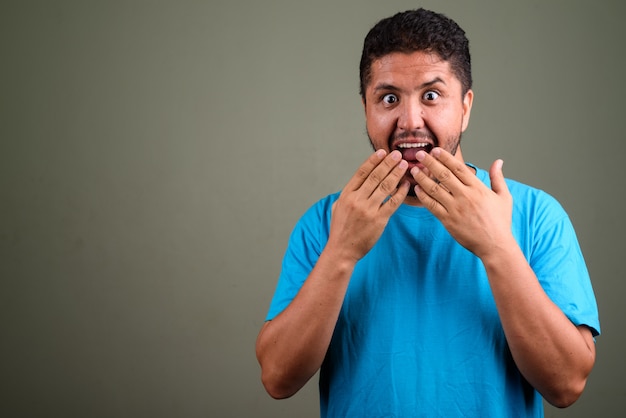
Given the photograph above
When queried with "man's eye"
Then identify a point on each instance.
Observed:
(431, 95)
(390, 98)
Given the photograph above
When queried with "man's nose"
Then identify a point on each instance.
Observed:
(411, 115)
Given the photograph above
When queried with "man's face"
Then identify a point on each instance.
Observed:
(414, 102)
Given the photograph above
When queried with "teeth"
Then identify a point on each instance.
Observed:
(414, 145)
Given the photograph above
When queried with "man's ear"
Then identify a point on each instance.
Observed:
(467, 109)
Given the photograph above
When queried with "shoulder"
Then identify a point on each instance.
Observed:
(314, 224)
(527, 199)
(320, 210)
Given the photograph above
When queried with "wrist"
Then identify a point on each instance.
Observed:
(340, 258)
(500, 253)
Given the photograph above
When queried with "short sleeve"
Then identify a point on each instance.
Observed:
(558, 262)
(306, 242)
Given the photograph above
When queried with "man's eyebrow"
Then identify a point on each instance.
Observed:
(385, 87)
(432, 82)
(391, 87)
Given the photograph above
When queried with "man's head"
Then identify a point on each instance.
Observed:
(418, 30)
(416, 85)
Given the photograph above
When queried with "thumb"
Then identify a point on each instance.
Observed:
(496, 175)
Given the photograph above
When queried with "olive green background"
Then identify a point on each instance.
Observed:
(155, 155)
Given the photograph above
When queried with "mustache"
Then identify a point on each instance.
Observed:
(415, 135)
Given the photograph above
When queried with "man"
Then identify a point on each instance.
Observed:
(429, 287)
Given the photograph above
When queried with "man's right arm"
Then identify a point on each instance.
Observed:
(291, 347)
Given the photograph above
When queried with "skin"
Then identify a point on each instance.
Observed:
(426, 104)
(415, 98)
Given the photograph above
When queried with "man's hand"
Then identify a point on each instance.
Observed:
(291, 347)
(553, 354)
(366, 203)
(479, 218)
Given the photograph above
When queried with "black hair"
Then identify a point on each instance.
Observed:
(418, 30)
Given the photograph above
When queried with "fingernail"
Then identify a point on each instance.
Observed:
(436, 152)
(396, 155)
(403, 164)
(380, 153)
(420, 155)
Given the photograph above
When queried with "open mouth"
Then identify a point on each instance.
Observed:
(410, 149)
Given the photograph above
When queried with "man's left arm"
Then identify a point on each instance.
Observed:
(552, 353)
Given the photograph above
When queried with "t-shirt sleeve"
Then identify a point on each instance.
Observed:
(306, 243)
(558, 262)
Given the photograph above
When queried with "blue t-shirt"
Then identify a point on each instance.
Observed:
(419, 333)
